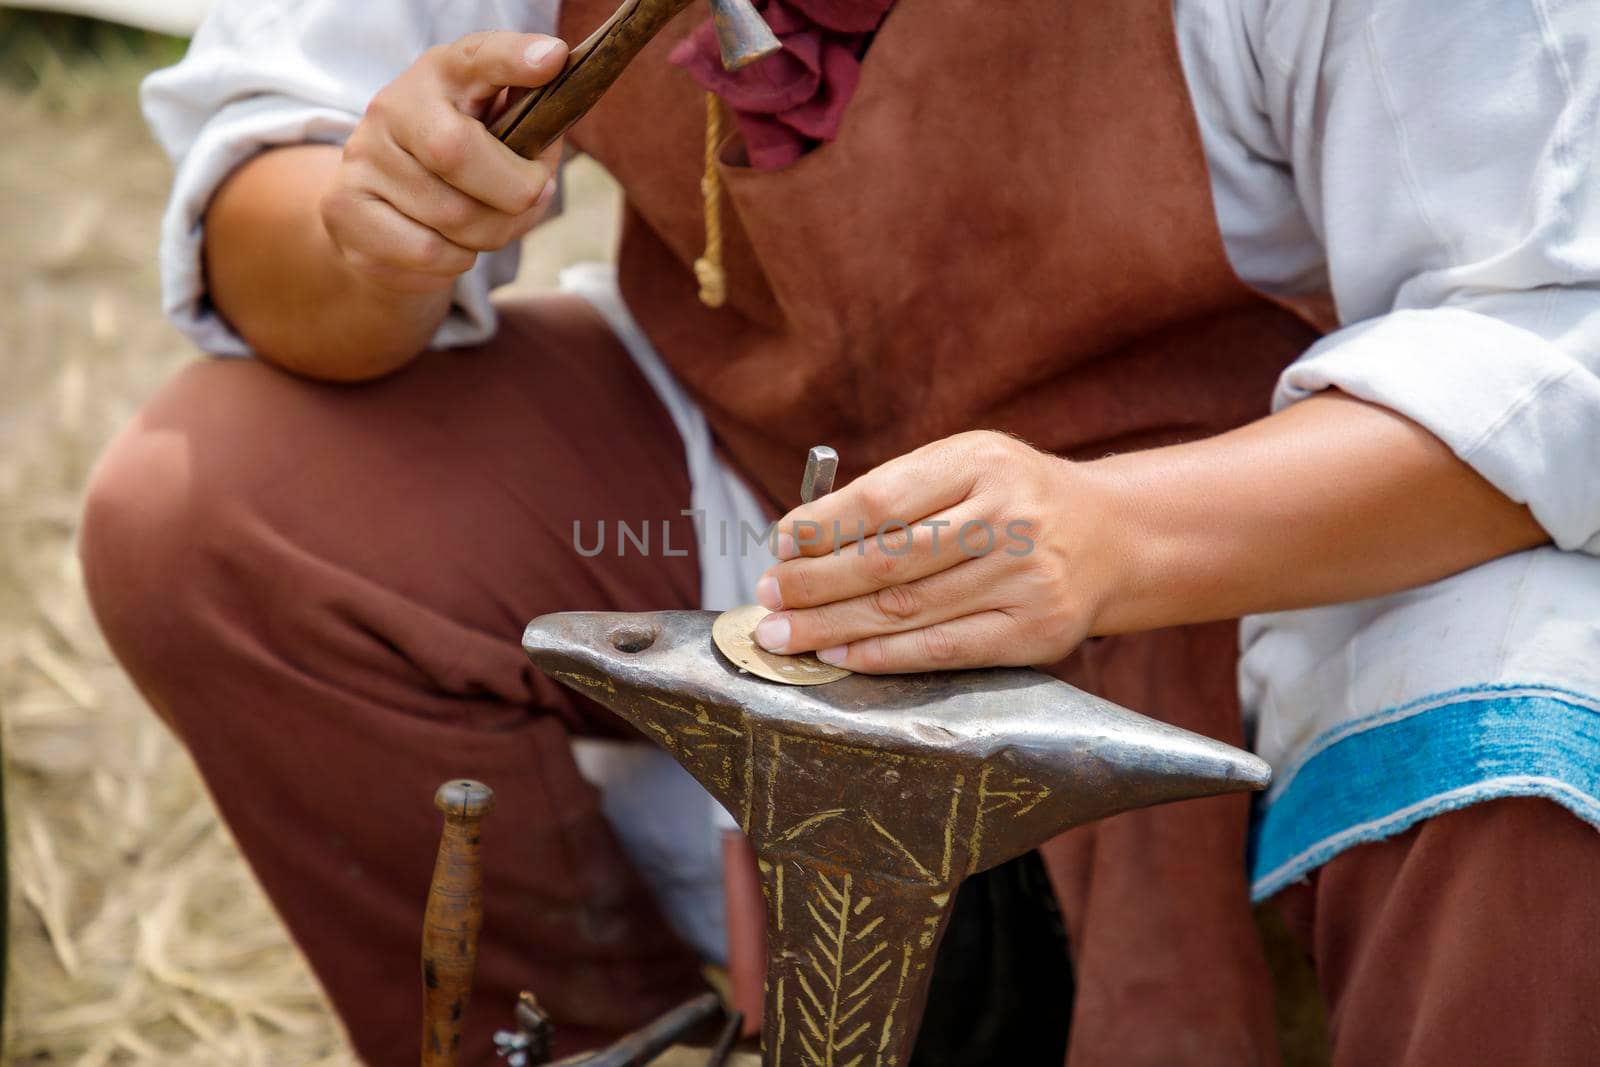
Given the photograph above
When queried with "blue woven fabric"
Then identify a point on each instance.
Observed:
(1374, 777)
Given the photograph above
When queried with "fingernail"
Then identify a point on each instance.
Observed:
(546, 193)
(772, 633)
(768, 595)
(834, 656)
(786, 547)
(540, 50)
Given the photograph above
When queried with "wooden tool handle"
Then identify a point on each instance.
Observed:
(534, 121)
(453, 919)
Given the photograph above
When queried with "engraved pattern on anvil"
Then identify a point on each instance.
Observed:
(846, 949)
(869, 800)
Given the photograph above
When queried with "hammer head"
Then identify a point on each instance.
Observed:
(742, 33)
(1050, 755)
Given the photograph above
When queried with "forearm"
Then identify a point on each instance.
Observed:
(1330, 500)
(275, 275)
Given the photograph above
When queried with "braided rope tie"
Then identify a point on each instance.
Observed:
(708, 269)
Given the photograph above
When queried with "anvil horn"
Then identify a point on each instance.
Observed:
(870, 799)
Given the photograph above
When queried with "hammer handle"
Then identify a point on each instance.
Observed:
(452, 921)
(537, 119)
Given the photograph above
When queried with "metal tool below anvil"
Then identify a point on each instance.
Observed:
(870, 799)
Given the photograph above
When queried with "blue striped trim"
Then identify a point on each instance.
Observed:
(1377, 776)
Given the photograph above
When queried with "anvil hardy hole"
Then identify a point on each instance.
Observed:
(632, 640)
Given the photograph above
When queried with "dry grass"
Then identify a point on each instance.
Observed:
(140, 936)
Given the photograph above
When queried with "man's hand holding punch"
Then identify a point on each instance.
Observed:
(1330, 500)
(971, 551)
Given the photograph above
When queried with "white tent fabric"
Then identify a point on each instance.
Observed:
(178, 17)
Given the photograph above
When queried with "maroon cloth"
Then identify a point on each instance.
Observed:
(793, 100)
(320, 588)
(1472, 938)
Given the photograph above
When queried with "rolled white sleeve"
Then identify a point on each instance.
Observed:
(1444, 158)
(1520, 403)
(261, 74)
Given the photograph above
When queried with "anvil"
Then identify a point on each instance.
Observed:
(868, 800)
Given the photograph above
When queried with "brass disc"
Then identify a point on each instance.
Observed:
(735, 634)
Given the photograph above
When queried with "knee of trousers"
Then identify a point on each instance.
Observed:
(196, 580)
(248, 528)
(205, 575)
(147, 528)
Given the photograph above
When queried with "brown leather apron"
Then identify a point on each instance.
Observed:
(1014, 231)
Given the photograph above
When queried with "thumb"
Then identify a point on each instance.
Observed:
(478, 66)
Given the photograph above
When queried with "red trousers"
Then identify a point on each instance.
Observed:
(321, 589)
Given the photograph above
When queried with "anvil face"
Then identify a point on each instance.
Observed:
(870, 799)
(1044, 755)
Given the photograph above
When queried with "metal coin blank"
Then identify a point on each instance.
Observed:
(735, 634)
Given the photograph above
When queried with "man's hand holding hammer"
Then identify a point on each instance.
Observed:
(339, 264)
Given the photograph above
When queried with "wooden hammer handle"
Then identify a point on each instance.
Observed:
(454, 917)
(535, 120)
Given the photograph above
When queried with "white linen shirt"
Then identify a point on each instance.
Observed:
(1433, 165)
